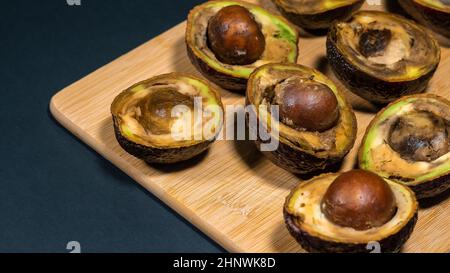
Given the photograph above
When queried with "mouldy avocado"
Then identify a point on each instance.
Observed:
(382, 56)
(317, 14)
(148, 125)
(433, 13)
(343, 213)
(315, 126)
(409, 142)
(227, 40)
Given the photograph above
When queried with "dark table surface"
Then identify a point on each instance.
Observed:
(53, 188)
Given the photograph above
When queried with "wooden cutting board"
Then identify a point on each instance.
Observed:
(232, 193)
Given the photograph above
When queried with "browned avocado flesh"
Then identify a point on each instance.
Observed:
(420, 136)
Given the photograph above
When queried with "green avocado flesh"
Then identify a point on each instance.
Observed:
(144, 111)
(378, 156)
(281, 38)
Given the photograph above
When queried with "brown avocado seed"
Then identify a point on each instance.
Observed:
(373, 42)
(359, 199)
(235, 37)
(420, 136)
(306, 104)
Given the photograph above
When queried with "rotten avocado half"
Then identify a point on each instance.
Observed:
(168, 118)
(344, 213)
(381, 56)
(317, 14)
(433, 13)
(313, 126)
(227, 40)
(409, 142)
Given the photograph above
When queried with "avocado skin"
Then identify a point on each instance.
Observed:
(298, 162)
(367, 86)
(438, 21)
(160, 156)
(310, 243)
(321, 20)
(432, 188)
(223, 80)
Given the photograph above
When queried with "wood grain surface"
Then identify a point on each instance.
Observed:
(232, 193)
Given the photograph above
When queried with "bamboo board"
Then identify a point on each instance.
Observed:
(232, 193)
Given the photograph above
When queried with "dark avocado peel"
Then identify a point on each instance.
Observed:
(317, 14)
(408, 142)
(144, 125)
(320, 137)
(434, 14)
(381, 56)
(324, 217)
(214, 33)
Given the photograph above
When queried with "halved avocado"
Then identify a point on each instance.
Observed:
(308, 224)
(299, 150)
(408, 142)
(381, 56)
(168, 118)
(433, 13)
(317, 14)
(281, 39)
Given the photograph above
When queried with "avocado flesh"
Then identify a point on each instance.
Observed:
(409, 54)
(299, 151)
(378, 156)
(281, 38)
(144, 112)
(309, 225)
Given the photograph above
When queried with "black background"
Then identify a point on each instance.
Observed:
(53, 188)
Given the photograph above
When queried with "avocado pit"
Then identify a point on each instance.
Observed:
(420, 136)
(306, 104)
(359, 199)
(235, 37)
